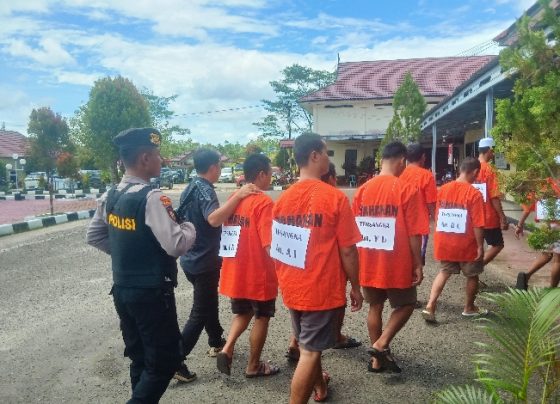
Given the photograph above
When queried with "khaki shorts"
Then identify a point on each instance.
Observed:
(467, 268)
(397, 297)
(316, 331)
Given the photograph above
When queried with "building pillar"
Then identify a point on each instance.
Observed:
(434, 147)
(489, 121)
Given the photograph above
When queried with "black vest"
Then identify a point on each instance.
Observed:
(138, 261)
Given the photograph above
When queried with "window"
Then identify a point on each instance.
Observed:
(330, 153)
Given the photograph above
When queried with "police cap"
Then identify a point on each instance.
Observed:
(138, 137)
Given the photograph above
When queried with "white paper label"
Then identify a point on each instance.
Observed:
(482, 189)
(452, 221)
(378, 233)
(229, 241)
(541, 211)
(289, 244)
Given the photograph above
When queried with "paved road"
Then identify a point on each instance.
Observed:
(60, 342)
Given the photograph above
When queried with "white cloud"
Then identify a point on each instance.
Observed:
(520, 5)
(77, 78)
(49, 52)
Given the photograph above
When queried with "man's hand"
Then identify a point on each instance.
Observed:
(246, 190)
(479, 253)
(518, 231)
(417, 275)
(356, 299)
(504, 223)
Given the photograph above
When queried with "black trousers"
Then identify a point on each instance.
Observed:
(152, 339)
(204, 311)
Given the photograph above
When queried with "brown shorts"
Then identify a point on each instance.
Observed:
(397, 297)
(260, 308)
(316, 331)
(467, 268)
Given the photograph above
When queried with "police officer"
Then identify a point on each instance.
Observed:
(137, 226)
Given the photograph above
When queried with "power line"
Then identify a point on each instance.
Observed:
(217, 111)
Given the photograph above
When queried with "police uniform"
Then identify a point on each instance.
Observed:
(137, 226)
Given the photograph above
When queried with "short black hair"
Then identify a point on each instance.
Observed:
(394, 150)
(483, 150)
(254, 164)
(414, 152)
(129, 154)
(330, 173)
(306, 144)
(204, 158)
(469, 165)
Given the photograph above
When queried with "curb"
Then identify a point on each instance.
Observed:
(37, 223)
(24, 197)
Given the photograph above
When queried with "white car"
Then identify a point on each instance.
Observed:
(227, 175)
(192, 174)
(32, 179)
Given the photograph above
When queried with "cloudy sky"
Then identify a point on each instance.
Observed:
(217, 55)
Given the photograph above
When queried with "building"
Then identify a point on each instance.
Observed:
(353, 113)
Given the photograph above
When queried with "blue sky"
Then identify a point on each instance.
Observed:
(217, 55)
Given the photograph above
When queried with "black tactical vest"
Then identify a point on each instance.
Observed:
(138, 261)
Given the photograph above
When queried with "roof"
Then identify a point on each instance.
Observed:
(436, 77)
(509, 36)
(13, 142)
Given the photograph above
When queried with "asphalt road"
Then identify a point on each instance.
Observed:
(60, 340)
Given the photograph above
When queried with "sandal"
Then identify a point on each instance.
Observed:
(265, 369)
(292, 354)
(316, 396)
(223, 361)
(386, 359)
(429, 317)
(349, 342)
(370, 367)
(479, 313)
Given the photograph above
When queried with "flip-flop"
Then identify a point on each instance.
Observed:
(316, 398)
(223, 361)
(350, 342)
(429, 317)
(265, 369)
(370, 367)
(480, 313)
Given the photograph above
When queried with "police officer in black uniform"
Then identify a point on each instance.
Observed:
(137, 226)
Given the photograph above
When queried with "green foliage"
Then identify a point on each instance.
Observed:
(282, 158)
(67, 166)
(235, 151)
(464, 395)
(366, 166)
(408, 108)
(114, 105)
(520, 362)
(161, 114)
(49, 135)
(287, 117)
(543, 237)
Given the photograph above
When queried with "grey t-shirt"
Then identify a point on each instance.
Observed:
(203, 256)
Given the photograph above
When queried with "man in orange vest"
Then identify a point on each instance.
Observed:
(314, 238)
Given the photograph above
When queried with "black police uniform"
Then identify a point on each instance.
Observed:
(144, 275)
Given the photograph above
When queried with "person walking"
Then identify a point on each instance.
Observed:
(313, 244)
(494, 218)
(136, 225)
(392, 217)
(459, 238)
(248, 276)
(201, 264)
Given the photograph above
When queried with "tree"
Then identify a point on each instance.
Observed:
(408, 108)
(161, 115)
(527, 126)
(49, 135)
(67, 167)
(287, 117)
(234, 151)
(114, 105)
(282, 158)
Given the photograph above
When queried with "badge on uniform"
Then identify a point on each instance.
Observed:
(166, 202)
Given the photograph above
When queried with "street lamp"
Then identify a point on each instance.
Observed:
(22, 162)
(8, 169)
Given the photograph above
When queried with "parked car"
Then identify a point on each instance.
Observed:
(32, 179)
(226, 175)
(93, 178)
(192, 174)
(164, 180)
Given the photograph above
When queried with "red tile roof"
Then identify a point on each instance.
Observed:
(436, 77)
(13, 142)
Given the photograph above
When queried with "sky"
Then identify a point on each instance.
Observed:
(218, 55)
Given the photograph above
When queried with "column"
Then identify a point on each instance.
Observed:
(489, 121)
(434, 148)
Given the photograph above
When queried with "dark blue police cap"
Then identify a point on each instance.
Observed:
(137, 137)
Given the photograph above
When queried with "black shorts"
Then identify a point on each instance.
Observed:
(494, 237)
(260, 308)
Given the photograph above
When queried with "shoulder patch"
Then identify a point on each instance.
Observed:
(165, 201)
